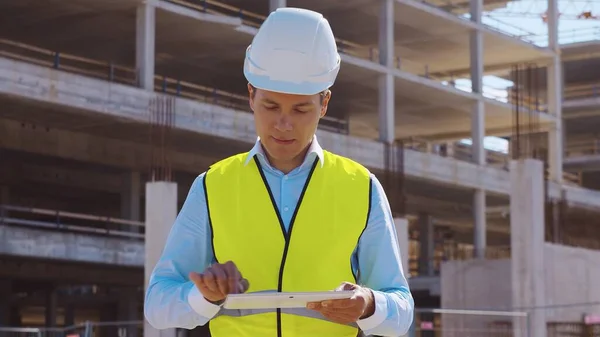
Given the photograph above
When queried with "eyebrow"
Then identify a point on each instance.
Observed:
(302, 104)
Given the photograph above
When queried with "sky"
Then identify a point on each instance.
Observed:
(524, 18)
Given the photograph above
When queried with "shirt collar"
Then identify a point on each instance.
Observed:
(315, 149)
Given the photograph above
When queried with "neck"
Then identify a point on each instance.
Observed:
(286, 166)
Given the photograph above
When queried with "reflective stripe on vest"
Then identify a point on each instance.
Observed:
(313, 255)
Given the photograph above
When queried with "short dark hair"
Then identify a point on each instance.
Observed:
(322, 94)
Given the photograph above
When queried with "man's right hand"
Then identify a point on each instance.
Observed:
(220, 280)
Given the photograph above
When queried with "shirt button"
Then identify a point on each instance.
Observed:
(285, 209)
(285, 177)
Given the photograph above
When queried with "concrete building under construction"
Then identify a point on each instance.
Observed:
(110, 109)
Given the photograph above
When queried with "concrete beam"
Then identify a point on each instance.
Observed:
(89, 148)
(40, 243)
(196, 15)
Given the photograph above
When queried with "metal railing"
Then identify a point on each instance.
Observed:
(581, 90)
(63, 221)
(113, 72)
(582, 147)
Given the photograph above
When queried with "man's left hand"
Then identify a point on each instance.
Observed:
(361, 305)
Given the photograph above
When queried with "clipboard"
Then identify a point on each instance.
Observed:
(271, 300)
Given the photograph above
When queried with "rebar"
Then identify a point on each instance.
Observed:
(161, 120)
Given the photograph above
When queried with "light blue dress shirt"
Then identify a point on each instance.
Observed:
(172, 300)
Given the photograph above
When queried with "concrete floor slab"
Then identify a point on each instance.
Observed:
(427, 37)
(92, 95)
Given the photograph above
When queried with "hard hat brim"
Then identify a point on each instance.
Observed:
(265, 82)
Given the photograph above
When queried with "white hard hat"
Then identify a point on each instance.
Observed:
(293, 52)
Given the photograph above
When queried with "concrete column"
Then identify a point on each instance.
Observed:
(476, 61)
(51, 307)
(478, 127)
(5, 305)
(274, 4)
(70, 314)
(555, 93)
(479, 230)
(387, 126)
(161, 211)
(450, 150)
(131, 195)
(4, 200)
(527, 244)
(145, 38)
(401, 225)
(426, 245)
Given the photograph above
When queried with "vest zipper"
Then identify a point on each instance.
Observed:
(287, 235)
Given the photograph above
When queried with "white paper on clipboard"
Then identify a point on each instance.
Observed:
(270, 300)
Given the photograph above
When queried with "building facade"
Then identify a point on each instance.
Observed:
(108, 111)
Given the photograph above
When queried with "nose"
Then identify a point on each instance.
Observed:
(283, 123)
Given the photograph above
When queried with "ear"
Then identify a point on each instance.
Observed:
(251, 95)
(325, 103)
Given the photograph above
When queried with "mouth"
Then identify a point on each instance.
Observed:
(283, 141)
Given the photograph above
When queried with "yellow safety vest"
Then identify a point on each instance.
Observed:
(314, 255)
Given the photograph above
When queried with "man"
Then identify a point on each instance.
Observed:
(287, 215)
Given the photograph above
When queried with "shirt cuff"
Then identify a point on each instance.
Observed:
(201, 305)
(378, 316)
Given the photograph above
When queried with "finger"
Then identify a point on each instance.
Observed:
(343, 317)
(341, 303)
(346, 286)
(209, 281)
(314, 306)
(233, 277)
(221, 279)
(205, 290)
(243, 285)
(195, 277)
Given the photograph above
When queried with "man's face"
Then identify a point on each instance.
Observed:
(286, 123)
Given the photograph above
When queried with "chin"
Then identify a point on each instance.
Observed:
(283, 152)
